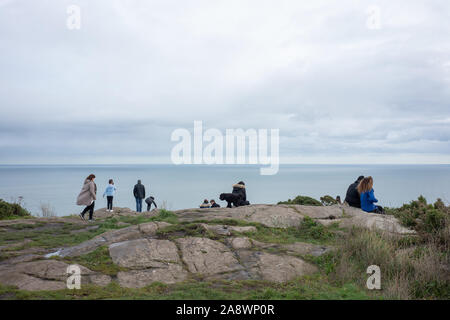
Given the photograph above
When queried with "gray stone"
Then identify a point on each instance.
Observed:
(144, 253)
(171, 273)
(206, 256)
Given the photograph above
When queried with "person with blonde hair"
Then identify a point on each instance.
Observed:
(365, 189)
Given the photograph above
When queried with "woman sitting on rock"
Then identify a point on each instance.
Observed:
(365, 189)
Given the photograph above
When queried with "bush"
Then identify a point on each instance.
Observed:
(12, 210)
(415, 272)
(303, 200)
(328, 200)
(311, 229)
(432, 222)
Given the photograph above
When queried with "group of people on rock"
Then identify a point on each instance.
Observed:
(237, 198)
(88, 195)
(360, 194)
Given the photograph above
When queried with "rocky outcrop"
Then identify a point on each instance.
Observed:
(283, 216)
(144, 255)
(45, 275)
(129, 233)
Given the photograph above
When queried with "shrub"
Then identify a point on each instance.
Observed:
(303, 200)
(311, 229)
(12, 210)
(406, 273)
(432, 222)
(328, 200)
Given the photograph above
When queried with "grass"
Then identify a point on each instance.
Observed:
(58, 235)
(98, 260)
(310, 287)
(308, 231)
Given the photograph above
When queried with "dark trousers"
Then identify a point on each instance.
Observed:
(379, 210)
(109, 202)
(149, 205)
(89, 208)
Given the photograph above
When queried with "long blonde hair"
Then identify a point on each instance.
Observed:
(365, 185)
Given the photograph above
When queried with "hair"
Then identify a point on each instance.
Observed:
(212, 200)
(90, 177)
(365, 185)
(360, 178)
(241, 182)
(111, 181)
(205, 201)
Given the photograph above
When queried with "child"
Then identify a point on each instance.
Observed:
(365, 189)
(205, 204)
(109, 192)
(214, 204)
(149, 201)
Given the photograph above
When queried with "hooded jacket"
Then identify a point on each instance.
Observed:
(87, 193)
(139, 190)
(239, 190)
(352, 197)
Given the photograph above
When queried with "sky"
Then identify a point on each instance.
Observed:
(343, 81)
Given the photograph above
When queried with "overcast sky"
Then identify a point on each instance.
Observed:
(339, 90)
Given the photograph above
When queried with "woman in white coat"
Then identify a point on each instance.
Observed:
(87, 196)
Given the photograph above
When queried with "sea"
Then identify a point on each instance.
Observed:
(55, 188)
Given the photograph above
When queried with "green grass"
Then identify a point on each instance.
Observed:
(98, 260)
(58, 235)
(310, 287)
(308, 231)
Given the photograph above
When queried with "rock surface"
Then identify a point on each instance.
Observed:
(45, 275)
(144, 255)
(283, 216)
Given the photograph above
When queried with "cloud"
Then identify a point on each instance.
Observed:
(115, 89)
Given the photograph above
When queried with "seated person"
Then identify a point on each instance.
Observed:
(352, 197)
(365, 188)
(238, 197)
(205, 204)
(214, 204)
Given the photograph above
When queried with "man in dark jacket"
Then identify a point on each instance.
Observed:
(352, 197)
(139, 194)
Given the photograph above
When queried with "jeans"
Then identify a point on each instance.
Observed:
(109, 200)
(89, 208)
(138, 204)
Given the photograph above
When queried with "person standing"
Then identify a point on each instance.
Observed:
(109, 193)
(139, 194)
(88, 196)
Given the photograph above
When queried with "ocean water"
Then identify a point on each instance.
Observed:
(178, 187)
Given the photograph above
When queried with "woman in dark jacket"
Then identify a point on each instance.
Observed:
(239, 190)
